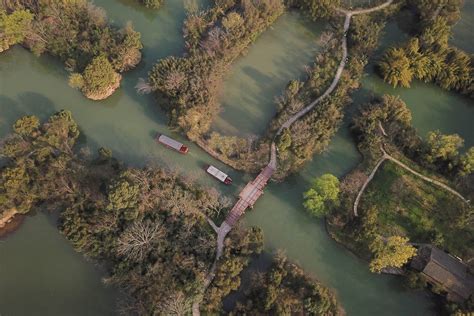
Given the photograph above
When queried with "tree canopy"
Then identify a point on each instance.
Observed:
(443, 147)
(14, 27)
(428, 56)
(99, 77)
(285, 290)
(79, 34)
(324, 190)
(393, 251)
(395, 67)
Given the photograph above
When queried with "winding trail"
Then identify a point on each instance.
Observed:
(386, 156)
(254, 189)
(366, 183)
(427, 179)
(340, 68)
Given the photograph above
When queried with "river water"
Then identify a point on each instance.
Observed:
(41, 274)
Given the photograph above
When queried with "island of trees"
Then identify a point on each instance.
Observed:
(94, 52)
(188, 87)
(407, 193)
(428, 56)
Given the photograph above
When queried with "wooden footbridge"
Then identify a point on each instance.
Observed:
(252, 191)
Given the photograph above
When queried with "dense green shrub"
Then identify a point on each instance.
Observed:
(14, 27)
(99, 76)
(428, 56)
(317, 8)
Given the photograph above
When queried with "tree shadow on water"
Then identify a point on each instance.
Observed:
(33, 103)
(9, 112)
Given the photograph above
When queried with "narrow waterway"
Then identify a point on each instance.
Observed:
(256, 79)
(432, 107)
(126, 123)
(462, 32)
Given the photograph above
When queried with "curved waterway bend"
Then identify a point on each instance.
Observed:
(126, 123)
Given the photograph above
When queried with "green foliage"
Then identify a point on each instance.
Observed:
(436, 33)
(76, 32)
(36, 157)
(285, 290)
(14, 27)
(319, 8)
(123, 197)
(395, 68)
(467, 162)
(99, 76)
(443, 147)
(14, 189)
(232, 22)
(284, 141)
(428, 56)
(105, 153)
(427, 9)
(323, 191)
(76, 80)
(392, 252)
(26, 126)
(236, 257)
(415, 280)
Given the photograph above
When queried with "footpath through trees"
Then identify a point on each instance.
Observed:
(254, 189)
(386, 156)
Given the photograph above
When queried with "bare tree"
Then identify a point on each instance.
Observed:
(137, 240)
(352, 183)
(176, 304)
(212, 44)
(325, 38)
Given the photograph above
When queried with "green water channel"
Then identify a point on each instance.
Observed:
(126, 123)
(462, 36)
(432, 107)
(281, 53)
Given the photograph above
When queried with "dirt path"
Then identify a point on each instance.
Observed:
(225, 228)
(366, 183)
(385, 157)
(425, 178)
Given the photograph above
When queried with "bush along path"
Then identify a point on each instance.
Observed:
(252, 191)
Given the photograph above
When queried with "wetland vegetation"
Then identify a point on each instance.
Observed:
(79, 34)
(148, 225)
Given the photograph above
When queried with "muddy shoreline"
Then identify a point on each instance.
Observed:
(12, 225)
